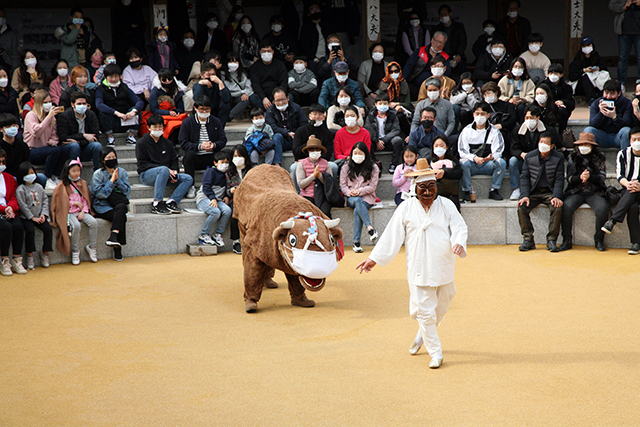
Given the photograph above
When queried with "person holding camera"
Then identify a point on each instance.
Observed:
(610, 117)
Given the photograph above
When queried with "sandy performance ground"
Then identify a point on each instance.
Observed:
(164, 341)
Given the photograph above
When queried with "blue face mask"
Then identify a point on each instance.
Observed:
(30, 179)
(78, 21)
(382, 108)
(74, 180)
(81, 109)
(11, 132)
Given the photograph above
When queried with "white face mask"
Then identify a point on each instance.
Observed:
(497, 51)
(517, 72)
(534, 47)
(382, 108)
(63, 72)
(239, 162)
(544, 148)
(30, 179)
(467, 87)
(266, 56)
(46, 107)
(439, 151)
(282, 107)
(587, 50)
(156, 133)
(437, 71)
(11, 131)
(358, 158)
(489, 30)
(299, 68)
(212, 25)
(258, 122)
(394, 76)
(116, 84)
(377, 56)
(223, 167)
(433, 94)
(341, 78)
(584, 149)
(189, 43)
(4, 82)
(480, 120)
(512, 15)
(233, 66)
(531, 123)
(414, 23)
(635, 145)
(344, 101)
(350, 121)
(490, 99)
(30, 62)
(3, 168)
(314, 264)
(317, 123)
(315, 155)
(445, 20)
(81, 108)
(276, 28)
(541, 99)
(246, 28)
(554, 78)
(203, 116)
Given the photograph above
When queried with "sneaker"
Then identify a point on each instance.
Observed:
(373, 235)
(160, 209)
(131, 139)
(111, 141)
(112, 240)
(5, 267)
(608, 226)
(465, 196)
(31, 265)
(635, 249)
(392, 169)
(117, 253)
(44, 260)
(237, 248)
(92, 253)
(527, 245)
(50, 185)
(357, 248)
(495, 194)
(16, 265)
(219, 241)
(515, 194)
(191, 194)
(205, 239)
(75, 258)
(172, 206)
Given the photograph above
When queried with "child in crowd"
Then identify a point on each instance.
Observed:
(34, 212)
(109, 58)
(313, 168)
(303, 84)
(259, 138)
(448, 169)
(240, 165)
(70, 208)
(161, 52)
(401, 182)
(11, 231)
(211, 199)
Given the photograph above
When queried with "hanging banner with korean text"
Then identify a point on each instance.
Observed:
(373, 19)
(577, 18)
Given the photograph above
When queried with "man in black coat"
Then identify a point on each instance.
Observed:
(562, 93)
(80, 125)
(541, 182)
(285, 117)
(514, 29)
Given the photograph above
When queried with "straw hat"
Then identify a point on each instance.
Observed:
(314, 143)
(422, 169)
(586, 138)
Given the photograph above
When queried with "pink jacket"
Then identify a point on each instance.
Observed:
(55, 90)
(399, 180)
(367, 189)
(37, 134)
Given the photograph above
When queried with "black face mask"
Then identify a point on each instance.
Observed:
(166, 85)
(426, 124)
(315, 16)
(111, 163)
(135, 64)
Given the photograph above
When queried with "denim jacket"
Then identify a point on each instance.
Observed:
(101, 188)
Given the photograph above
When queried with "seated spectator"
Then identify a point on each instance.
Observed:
(537, 63)
(628, 176)
(422, 136)
(9, 57)
(80, 125)
(284, 43)
(16, 150)
(267, 74)
(233, 23)
(493, 66)
(187, 54)
(212, 199)
(138, 77)
(161, 53)
(61, 82)
(41, 135)
(303, 84)
(333, 55)
(401, 182)
(335, 114)
(562, 94)
(79, 80)
(503, 114)
(484, 40)
(397, 88)
(236, 80)
(110, 191)
(75, 39)
(316, 127)
(610, 117)
(588, 71)
(313, 34)
(212, 57)
(118, 106)
(384, 127)
(211, 86)
(371, 73)
(285, 118)
(414, 35)
(167, 90)
(358, 182)
(158, 167)
(445, 118)
(438, 70)
(480, 146)
(311, 169)
(95, 62)
(26, 103)
(464, 97)
(246, 42)
(448, 170)
(27, 73)
(541, 182)
(517, 88)
(586, 176)
(514, 29)
(350, 135)
(418, 66)
(259, 139)
(332, 86)
(240, 165)
(213, 38)
(456, 39)
(544, 100)
(201, 136)
(107, 58)
(8, 95)
(11, 229)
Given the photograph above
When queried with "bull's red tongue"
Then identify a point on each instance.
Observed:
(313, 282)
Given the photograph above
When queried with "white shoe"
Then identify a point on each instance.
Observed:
(31, 265)
(75, 258)
(92, 253)
(435, 363)
(218, 240)
(44, 260)
(5, 267)
(205, 239)
(515, 194)
(16, 265)
(191, 194)
(414, 347)
(50, 185)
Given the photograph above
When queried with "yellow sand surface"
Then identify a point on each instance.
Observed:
(531, 339)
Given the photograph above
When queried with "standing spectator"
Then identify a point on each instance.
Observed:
(514, 29)
(371, 72)
(423, 136)
(418, 66)
(456, 39)
(138, 77)
(541, 182)
(9, 57)
(333, 54)
(331, 87)
(445, 119)
(484, 40)
(537, 63)
(213, 88)
(11, 229)
(236, 80)
(627, 26)
(311, 169)
(347, 137)
(293, 12)
(27, 73)
(447, 168)
(161, 53)
(285, 45)
(465, 96)
(587, 70)
(400, 181)
(212, 200)
(158, 167)
(610, 117)
(118, 105)
(335, 114)
(129, 29)
(16, 150)
(438, 71)
(80, 125)
(303, 84)
(384, 127)
(187, 54)
(61, 82)
(414, 35)
(233, 22)
(517, 88)
(110, 190)
(213, 38)
(8, 95)
(285, 118)
(78, 83)
(396, 87)
(344, 19)
(313, 34)
(75, 39)
(562, 94)
(246, 42)
(267, 74)
(491, 67)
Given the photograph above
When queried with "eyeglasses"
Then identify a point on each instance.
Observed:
(394, 71)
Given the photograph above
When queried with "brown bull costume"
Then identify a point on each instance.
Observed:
(281, 230)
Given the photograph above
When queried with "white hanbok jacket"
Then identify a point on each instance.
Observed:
(428, 237)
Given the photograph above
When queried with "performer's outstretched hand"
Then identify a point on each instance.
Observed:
(458, 249)
(366, 265)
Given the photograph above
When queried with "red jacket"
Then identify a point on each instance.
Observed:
(10, 197)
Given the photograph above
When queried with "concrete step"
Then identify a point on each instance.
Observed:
(143, 205)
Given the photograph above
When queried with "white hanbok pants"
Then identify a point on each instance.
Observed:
(428, 305)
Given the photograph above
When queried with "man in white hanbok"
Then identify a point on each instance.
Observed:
(433, 233)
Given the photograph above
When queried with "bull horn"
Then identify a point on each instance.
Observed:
(287, 224)
(331, 223)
